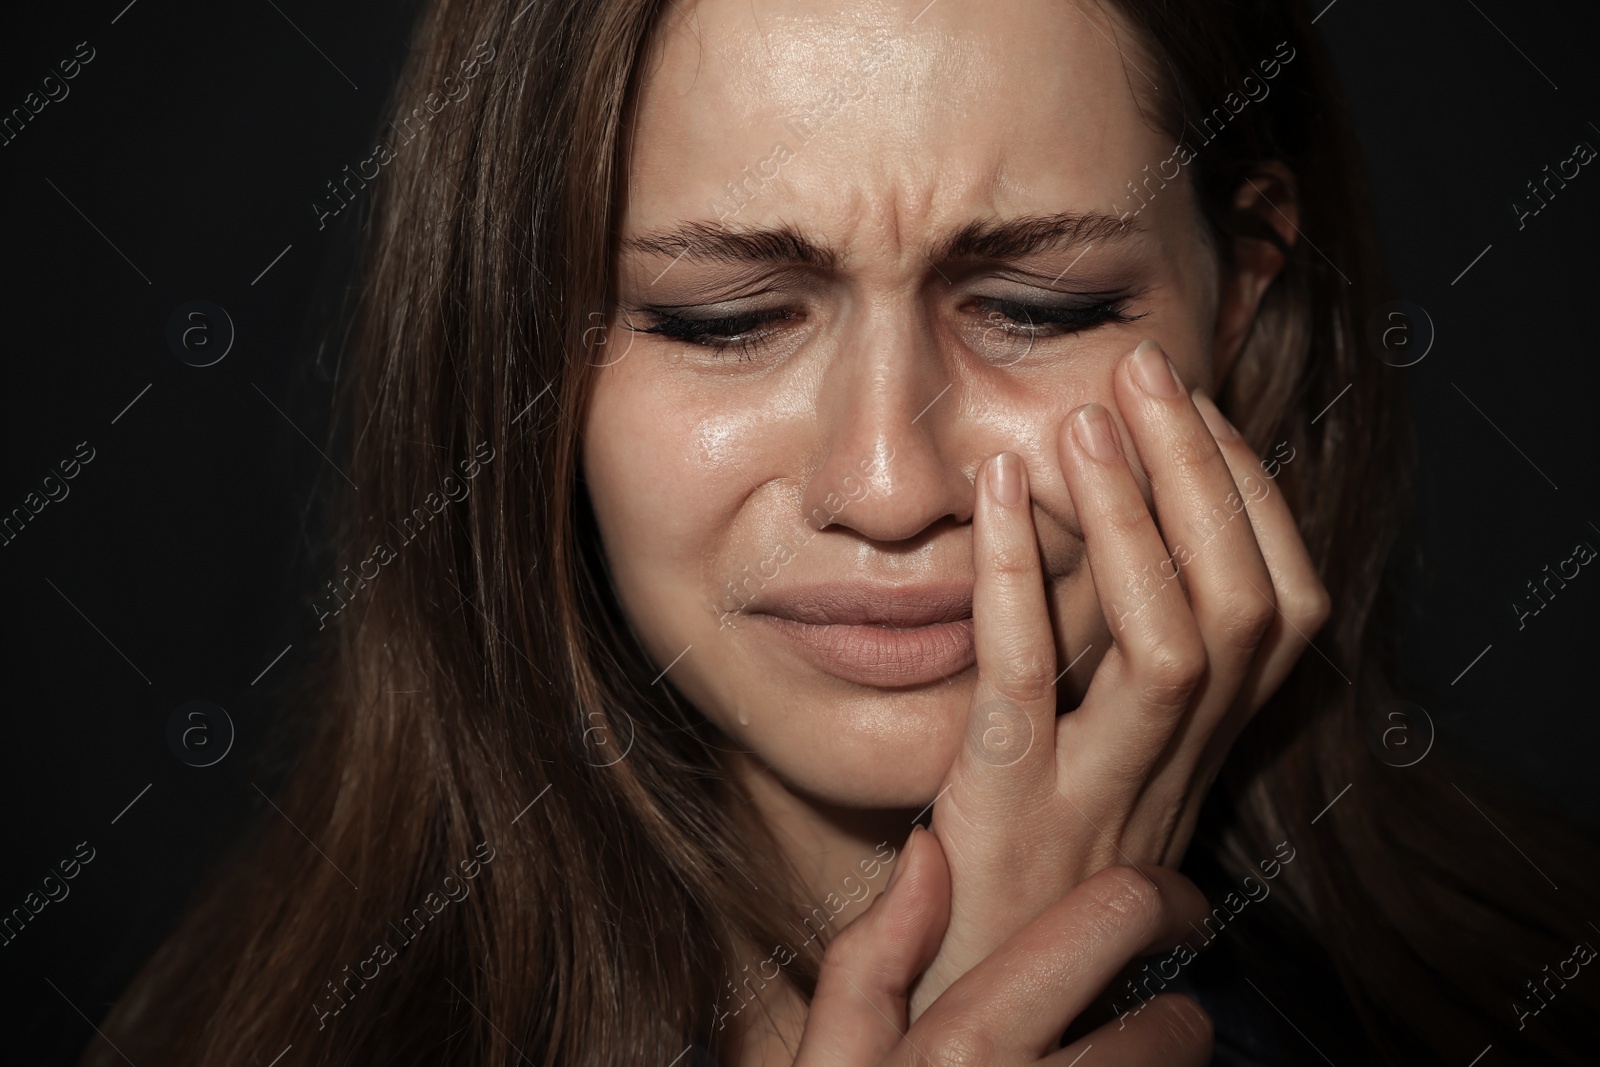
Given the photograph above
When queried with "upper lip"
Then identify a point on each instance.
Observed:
(869, 603)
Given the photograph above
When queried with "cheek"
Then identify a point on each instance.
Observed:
(671, 477)
(1023, 411)
(654, 496)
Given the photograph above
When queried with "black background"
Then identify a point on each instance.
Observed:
(187, 157)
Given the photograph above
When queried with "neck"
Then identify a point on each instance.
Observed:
(841, 859)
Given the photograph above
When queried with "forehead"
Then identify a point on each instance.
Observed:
(924, 112)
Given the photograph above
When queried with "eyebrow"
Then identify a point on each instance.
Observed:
(980, 239)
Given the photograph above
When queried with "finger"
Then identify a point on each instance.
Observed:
(1004, 775)
(1052, 969)
(858, 1015)
(1009, 751)
(1301, 600)
(1168, 1030)
(1201, 512)
(1141, 689)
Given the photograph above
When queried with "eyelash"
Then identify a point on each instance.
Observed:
(1076, 317)
(713, 333)
(721, 333)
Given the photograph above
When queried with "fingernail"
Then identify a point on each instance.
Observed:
(1092, 427)
(1221, 428)
(900, 863)
(1154, 371)
(1005, 478)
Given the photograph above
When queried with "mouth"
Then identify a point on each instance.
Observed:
(883, 636)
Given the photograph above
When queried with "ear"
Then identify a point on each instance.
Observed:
(1267, 202)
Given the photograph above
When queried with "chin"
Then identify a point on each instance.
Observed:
(861, 749)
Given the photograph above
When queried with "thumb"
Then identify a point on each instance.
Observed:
(858, 1015)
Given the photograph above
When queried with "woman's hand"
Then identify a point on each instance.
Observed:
(1012, 1007)
(1207, 614)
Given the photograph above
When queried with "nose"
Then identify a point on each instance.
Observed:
(886, 410)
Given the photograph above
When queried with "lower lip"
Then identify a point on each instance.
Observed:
(879, 655)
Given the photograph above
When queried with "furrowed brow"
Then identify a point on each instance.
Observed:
(720, 244)
(785, 245)
(1031, 234)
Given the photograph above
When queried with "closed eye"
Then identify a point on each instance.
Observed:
(720, 332)
(745, 332)
(1051, 320)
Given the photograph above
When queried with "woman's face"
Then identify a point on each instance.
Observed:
(873, 202)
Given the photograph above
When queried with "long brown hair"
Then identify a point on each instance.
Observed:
(544, 841)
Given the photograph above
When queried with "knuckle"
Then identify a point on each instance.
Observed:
(1013, 561)
(1309, 607)
(1118, 897)
(961, 1044)
(1245, 619)
(1018, 691)
(1186, 1022)
(849, 948)
(1191, 451)
(1127, 517)
(1024, 675)
(1173, 670)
